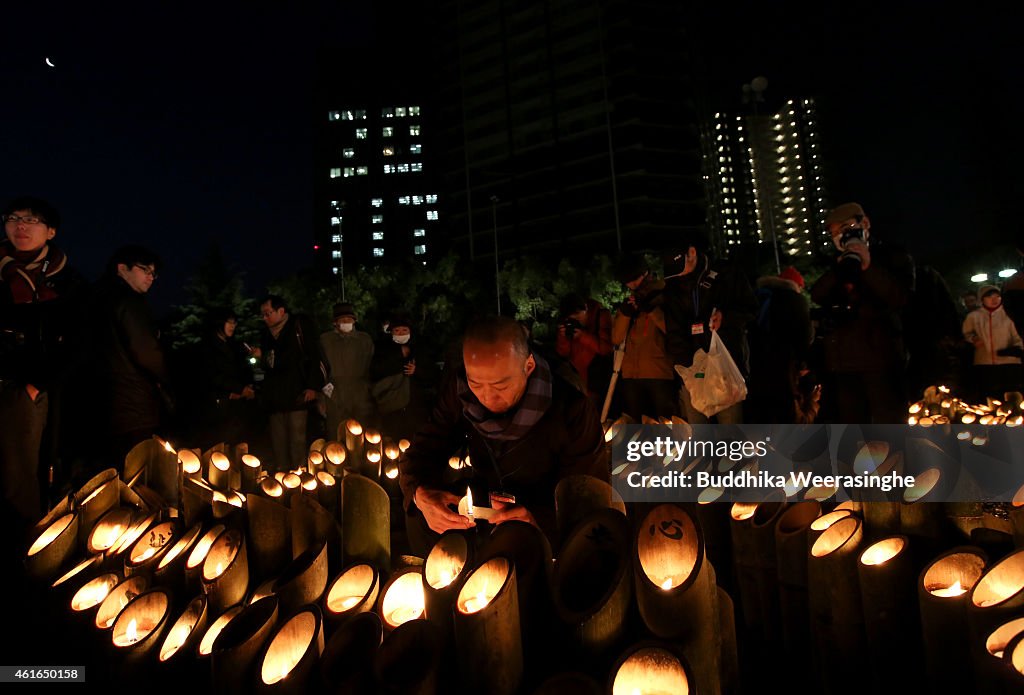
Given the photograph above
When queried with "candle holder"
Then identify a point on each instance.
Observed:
(182, 641)
(487, 636)
(138, 630)
(91, 594)
(268, 528)
(235, 655)
(825, 522)
(291, 655)
(209, 637)
(943, 594)
(335, 455)
(346, 664)
(307, 481)
(837, 617)
(312, 526)
(95, 499)
(148, 550)
(651, 669)
(251, 470)
(127, 539)
(990, 658)
(373, 441)
(791, 560)
(921, 517)
(65, 586)
(170, 570)
(52, 547)
(314, 462)
(886, 575)
(443, 577)
(354, 591)
(997, 597)
(352, 432)
(225, 573)
(194, 561)
(366, 521)
(576, 496)
(591, 583)
(402, 598)
(117, 599)
(409, 660)
(303, 580)
(372, 464)
(327, 490)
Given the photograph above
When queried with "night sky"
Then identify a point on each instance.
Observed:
(179, 124)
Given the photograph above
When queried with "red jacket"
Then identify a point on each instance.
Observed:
(595, 338)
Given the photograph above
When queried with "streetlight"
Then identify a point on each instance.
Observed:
(497, 277)
(1007, 272)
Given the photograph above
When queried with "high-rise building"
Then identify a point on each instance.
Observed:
(376, 201)
(568, 125)
(765, 180)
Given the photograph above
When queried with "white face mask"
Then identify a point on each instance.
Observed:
(345, 327)
(401, 339)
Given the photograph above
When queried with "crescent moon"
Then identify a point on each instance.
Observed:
(50, 63)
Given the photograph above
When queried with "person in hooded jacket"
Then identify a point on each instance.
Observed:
(402, 380)
(998, 347)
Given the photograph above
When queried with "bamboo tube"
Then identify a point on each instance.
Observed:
(313, 525)
(576, 496)
(170, 570)
(194, 562)
(652, 668)
(334, 458)
(1012, 676)
(268, 525)
(743, 548)
(327, 491)
(763, 560)
(990, 664)
(409, 660)
(235, 653)
(675, 589)
(366, 521)
(314, 462)
(886, 575)
(65, 586)
(225, 572)
(921, 516)
(218, 471)
(573, 683)
(713, 517)
(94, 499)
(251, 470)
(138, 630)
(730, 661)
(117, 599)
(352, 432)
(291, 654)
(823, 523)
(837, 617)
(352, 592)
(346, 664)
(215, 628)
(997, 597)
(303, 580)
(443, 576)
(401, 599)
(53, 547)
(183, 638)
(146, 553)
(487, 636)
(791, 562)
(591, 583)
(942, 594)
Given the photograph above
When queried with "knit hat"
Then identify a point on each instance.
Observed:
(792, 274)
(344, 309)
(986, 290)
(400, 320)
(843, 213)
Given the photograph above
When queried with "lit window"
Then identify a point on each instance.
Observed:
(387, 112)
(417, 166)
(387, 131)
(360, 114)
(431, 214)
(335, 220)
(335, 270)
(377, 219)
(349, 171)
(335, 238)
(378, 252)
(388, 168)
(349, 152)
(362, 171)
(414, 110)
(419, 232)
(404, 200)
(431, 198)
(389, 151)
(336, 254)
(419, 249)
(402, 168)
(360, 133)
(417, 200)
(414, 130)
(399, 111)
(334, 204)
(378, 236)
(335, 172)
(333, 116)
(377, 202)
(416, 149)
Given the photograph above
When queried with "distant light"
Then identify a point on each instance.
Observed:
(316, 247)
(1007, 272)
(980, 277)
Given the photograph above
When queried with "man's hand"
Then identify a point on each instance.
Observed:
(248, 393)
(32, 392)
(308, 395)
(409, 368)
(433, 504)
(511, 512)
(715, 322)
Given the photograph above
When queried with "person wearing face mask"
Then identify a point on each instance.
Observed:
(998, 347)
(401, 380)
(348, 352)
(862, 297)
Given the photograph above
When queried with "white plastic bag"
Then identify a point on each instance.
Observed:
(714, 382)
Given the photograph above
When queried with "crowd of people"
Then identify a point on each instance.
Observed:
(881, 328)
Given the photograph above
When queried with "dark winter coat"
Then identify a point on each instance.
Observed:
(291, 362)
(780, 342)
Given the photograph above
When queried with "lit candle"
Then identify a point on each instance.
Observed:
(475, 603)
(469, 503)
(955, 589)
(403, 614)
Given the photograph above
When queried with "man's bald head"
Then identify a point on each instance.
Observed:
(500, 333)
(498, 362)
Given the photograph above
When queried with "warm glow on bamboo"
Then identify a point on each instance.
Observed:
(335, 453)
(206, 644)
(93, 592)
(326, 479)
(133, 534)
(834, 536)
(109, 529)
(404, 600)
(350, 588)
(202, 548)
(51, 532)
(190, 463)
(445, 562)
(182, 628)
(271, 488)
(308, 482)
(1002, 636)
(220, 461)
(181, 546)
(221, 554)
(288, 647)
(139, 618)
(291, 481)
(391, 472)
(651, 671)
(354, 428)
(404, 444)
(77, 569)
(373, 437)
(923, 484)
(1003, 580)
(392, 452)
(151, 543)
(118, 598)
(871, 456)
(822, 523)
(455, 463)
(741, 511)
(882, 551)
(314, 459)
(709, 495)
(820, 494)
(483, 585)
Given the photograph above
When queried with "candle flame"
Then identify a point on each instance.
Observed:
(404, 444)
(955, 589)
(350, 601)
(220, 569)
(667, 584)
(131, 633)
(469, 502)
(392, 472)
(169, 448)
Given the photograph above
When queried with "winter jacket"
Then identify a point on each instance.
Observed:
(996, 331)
(348, 355)
(291, 361)
(593, 340)
(644, 332)
(780, 342)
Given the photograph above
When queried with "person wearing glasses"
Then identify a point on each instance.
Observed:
(133, 368)
(40, 304)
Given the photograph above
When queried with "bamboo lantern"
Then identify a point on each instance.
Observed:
(374, 442)
(194, 562)
(196, 500)
(304, 580)
(443, 577)
(209, 637)
(183, 638)
(52, 547)
(353, 434)
(990, 665)
(138, 631)
(819, 494)
(576, 496)
(271, 488)
(95, 499)
(225, 572)
(942, 594)
(346, 664)
(487, 637)
(402, 598)
(675, 590)
(791, 560)
(170, 570)
(147, 551)
(225, 505)
(763, 560)
(886, 575)
(327, 490)
(235, 656)
(292, 654)
(366, 521)
(373, 467)
(651, 669)
(129, 537)
(920, 515)
(307, 481)
(264, 590)
(354, 591)
(314, 462)
(117, 599)
(154, 463)
(94, 592)
(997, 597)
(67, 584)
(837, 617)
(571, 683)
(823, 523)
(403, 445)
(591, 584)
(334, 455)
(268, 525)
(318, 445)
(312, 526)
(292, 483)
(252, 469)
(713, 515)
(409, 660)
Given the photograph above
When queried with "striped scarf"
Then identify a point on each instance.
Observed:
(515, 423)
(27, 274)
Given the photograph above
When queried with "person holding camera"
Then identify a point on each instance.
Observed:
(585, 339)
(861, 299)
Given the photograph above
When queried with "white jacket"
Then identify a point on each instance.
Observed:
(996, 331)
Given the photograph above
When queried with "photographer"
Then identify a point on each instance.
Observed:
(861, 298)
(585, 339)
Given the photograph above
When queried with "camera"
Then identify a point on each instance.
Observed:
(571, 326)
(851, 234)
